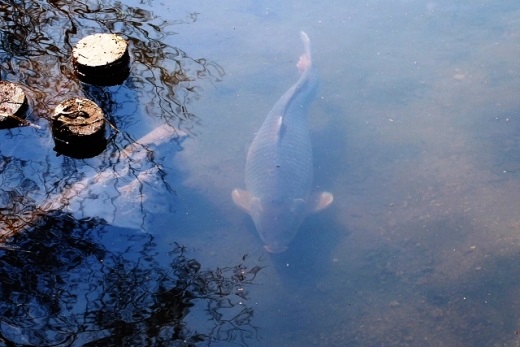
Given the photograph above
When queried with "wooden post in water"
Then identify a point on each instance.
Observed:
(101, 59)
(13, 105)
(78, 128)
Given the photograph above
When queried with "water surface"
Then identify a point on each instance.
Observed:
(414, 131)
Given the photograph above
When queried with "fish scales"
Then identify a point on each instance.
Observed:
(279, 167)
(279, 161)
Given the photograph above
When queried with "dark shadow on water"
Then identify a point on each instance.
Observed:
(62, 286)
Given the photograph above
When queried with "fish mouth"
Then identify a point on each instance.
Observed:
(275, 249)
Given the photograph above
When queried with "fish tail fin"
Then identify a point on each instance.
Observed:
(305, 58)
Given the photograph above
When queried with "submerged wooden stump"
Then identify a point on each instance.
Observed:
(13, 105)
(101, 59)
(78, 128)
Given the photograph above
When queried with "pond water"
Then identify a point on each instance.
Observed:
(415, 130)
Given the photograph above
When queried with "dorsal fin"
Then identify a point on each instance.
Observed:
(280, 128)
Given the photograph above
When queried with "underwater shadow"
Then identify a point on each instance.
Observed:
(309, 255)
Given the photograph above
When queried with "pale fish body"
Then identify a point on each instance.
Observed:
(279, 171)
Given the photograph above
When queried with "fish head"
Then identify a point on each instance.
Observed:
(277, 221)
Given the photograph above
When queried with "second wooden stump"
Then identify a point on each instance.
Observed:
(78, 128)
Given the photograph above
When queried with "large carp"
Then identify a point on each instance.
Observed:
(279, 165)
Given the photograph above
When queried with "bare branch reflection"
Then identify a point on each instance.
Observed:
(37, 55)
(61, 286)
(36, 42)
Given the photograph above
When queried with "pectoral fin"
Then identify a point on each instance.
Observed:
(242, 199)
(319, 201)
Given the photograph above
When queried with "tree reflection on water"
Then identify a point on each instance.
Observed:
(61, 286)
(37, 38)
